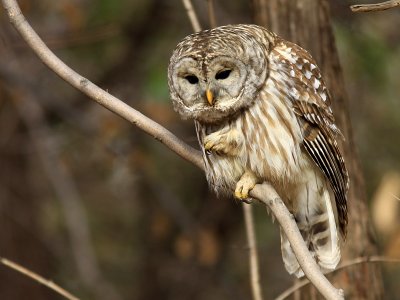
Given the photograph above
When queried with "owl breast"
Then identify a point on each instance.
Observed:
(270, 146)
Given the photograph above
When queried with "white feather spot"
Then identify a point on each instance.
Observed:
(292, 59)
(295, 93)
(317, 83)
(323, 96)
(312, 67)
(308, 74)
(292, 73)
(299, 65)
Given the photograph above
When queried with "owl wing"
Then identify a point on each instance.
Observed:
(319, 139)
(311, 104)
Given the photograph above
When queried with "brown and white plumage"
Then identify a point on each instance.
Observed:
(262, 113)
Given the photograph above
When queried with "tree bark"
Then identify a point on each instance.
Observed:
(307, 23)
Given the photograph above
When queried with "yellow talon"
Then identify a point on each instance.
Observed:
(241, 195)
(245, 185)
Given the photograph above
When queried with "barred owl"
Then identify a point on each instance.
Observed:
(262, 113)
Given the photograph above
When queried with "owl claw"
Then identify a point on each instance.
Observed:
(242, 191)
(245, 185)
(219, 148)
(208, 146)
(222, 143)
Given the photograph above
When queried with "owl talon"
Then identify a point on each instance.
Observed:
(248, 200)
(245, 185)
(222, 143)
(208, 146)
(218, 148)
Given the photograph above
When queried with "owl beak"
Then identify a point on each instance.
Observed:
(210, 96)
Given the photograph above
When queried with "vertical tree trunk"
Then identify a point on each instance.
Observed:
(307, 23)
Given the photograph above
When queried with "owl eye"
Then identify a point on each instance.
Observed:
(223, 74)
(192, 79)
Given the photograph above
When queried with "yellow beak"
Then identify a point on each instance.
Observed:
(210, 97)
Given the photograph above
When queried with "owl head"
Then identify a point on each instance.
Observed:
(215, 73)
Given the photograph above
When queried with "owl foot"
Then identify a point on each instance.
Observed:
(245, 185)
(222, 143)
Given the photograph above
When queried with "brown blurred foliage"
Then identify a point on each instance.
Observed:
(108, 213)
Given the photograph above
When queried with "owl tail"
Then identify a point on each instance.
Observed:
(317, 225)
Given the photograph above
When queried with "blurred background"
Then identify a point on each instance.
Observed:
(94, 204)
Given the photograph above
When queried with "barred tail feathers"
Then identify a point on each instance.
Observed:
(316, 221)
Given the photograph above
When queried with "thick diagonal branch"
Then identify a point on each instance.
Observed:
(96, 93)
(265, 193)
(353, 262)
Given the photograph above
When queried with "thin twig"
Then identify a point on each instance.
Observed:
(247, 210)
(366, 259)
(356, 261)
(374, 7)
(248, 213)
(211, 14)
(50, 284)
(253, 255)
(192, 15)
(267, 195)
(94, 92)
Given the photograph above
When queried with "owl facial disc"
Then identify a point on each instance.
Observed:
(215, 73)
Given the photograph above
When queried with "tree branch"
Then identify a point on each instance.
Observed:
(265, 193)
(50, 284)
(253, 255)
(353, 262)
(192, 15)
(374, 7)
(211, 14)
(94, 92)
